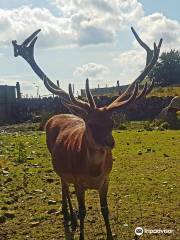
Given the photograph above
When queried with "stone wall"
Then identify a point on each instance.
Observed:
(144, 109)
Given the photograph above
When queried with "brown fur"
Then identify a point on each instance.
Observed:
(75, 156)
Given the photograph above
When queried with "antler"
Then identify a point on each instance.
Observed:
(26, 51)
(89, 95)
(150, 62)
(76, 101)
(114, 105)
(149, 56)
(145, 46)
(82, 104)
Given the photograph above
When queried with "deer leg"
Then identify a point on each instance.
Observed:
(80, 193)
(104, 208)
(64, 202)
(74, 223)
(66, 199)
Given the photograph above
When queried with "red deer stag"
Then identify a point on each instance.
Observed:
(81, 143)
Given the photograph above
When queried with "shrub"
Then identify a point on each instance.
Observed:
(21, 153)
(45, 117)
(165, 125)
(119, 121)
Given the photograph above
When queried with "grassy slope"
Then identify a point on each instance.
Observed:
(162, 91)
(143, 187)
(166, 91)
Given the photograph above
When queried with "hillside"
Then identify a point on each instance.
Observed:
(143, 188)
(165, 91)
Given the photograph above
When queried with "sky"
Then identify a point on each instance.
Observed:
(82, 39)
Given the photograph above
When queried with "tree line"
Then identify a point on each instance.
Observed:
(167, 70)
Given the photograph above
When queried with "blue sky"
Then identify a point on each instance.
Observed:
(84, 38)
(167, 7)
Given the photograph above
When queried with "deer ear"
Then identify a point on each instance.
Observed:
(75, 110)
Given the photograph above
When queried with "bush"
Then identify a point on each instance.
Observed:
(21, 153)
(122, 127)
(119, 121)
(147, 126)
(165, 125)
(45, 117)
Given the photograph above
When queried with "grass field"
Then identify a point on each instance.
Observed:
(165, 91)
(161, 91)
(143, 188)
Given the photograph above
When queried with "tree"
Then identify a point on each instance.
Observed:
(167, 70)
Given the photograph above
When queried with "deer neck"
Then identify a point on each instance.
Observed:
(96, 154)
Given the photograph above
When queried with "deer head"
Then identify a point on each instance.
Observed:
(98, 120)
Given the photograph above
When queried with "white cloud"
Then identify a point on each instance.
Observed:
(99, 21)
(86, 22)
(27, 86)
(156, 26)
(80, 22)
(21, 22)
(130, 64)
(92, 70)
(131, 60)
(97, 8)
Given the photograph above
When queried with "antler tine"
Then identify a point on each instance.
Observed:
(89, 95)
(26, 51)
(144, 45)
(144, 73)
(140, 78)
(150, 87)
(59, 92)
(114, 105)
(142, 93)
(19, 49)
(149, 51)
(31, 37)
(76, 101)
(146, 90)
(160, 43)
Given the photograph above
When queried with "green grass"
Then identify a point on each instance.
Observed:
(165, 91)
(160, 91)
(143, 187)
